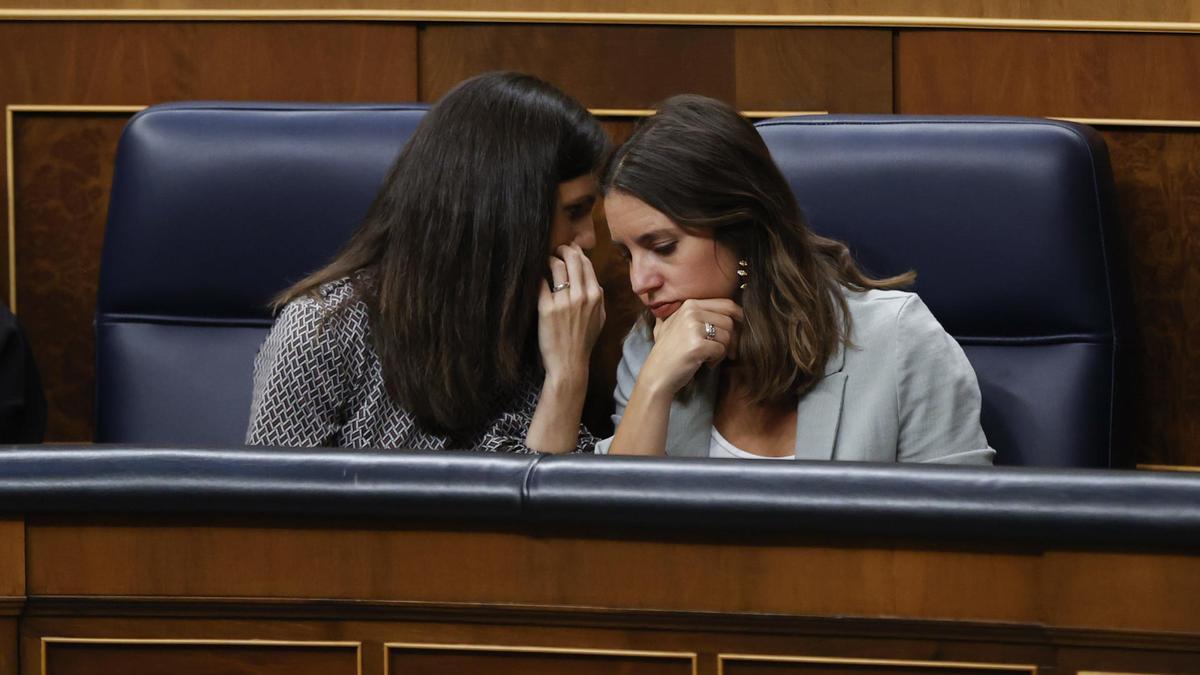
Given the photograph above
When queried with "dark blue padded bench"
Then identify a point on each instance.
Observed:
(216, 207)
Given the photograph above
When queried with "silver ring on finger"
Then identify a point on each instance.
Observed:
(560, 287)
(710, 331)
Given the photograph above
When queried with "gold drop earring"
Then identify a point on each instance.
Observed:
(743, 272)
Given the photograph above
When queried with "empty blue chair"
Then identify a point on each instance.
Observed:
(1009, 224)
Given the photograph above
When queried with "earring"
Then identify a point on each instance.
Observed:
(743, 272)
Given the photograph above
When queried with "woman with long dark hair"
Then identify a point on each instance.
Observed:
(762, 339)
(462, 312)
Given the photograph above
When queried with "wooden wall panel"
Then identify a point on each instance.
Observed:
(595, 64)
(63, 161)
(154, 658)
(1155, 168)
(1090, 75)
(63, 170)
(9, 645)
(1157, 173)
(12, 560)
(837, 71)
(420, 565)
(834, 638)
(634, 67)
(738, 594)
(150, 62)
(427, 661)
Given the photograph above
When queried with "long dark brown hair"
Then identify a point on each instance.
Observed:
(450, 255)
(706, 168)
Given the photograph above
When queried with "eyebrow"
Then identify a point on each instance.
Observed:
(647, 238)
(580, 201)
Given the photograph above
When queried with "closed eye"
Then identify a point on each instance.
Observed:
(581, 209)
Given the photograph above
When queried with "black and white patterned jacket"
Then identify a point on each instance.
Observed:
(319, 383)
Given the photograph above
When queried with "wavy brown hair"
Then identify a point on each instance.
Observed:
(706, 168)
(449, 257)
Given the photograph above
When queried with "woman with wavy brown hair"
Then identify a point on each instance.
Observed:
(462, 312)
(762, 339)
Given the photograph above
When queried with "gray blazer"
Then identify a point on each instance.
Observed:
(903, 392)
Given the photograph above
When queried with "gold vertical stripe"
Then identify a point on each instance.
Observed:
(12, 209)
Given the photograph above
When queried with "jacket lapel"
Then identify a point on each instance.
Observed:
(689, 429)
(820, 412)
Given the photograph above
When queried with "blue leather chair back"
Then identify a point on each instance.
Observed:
(215, 208)
(1008, 223)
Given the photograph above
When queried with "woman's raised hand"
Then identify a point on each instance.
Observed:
(570, 313)
(699, 332)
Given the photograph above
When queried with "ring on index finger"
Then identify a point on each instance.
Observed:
(710, 331)
(560, 287)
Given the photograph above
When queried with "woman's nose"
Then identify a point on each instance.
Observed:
(643, 278)
(585, 235)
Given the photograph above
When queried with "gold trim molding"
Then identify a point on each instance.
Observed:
(749, 114)
(1169, 467)
(692, 657)
(611, 18)
(10, 193)
(1130, 122)
(903, 663)
(45, 641)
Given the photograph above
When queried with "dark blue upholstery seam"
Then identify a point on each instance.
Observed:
(1032, 339)
(300, 108)
(525, 506)
(982, 119)
(124, 319)
(121, 319)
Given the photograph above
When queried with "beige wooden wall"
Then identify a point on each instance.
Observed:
(60, 71)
